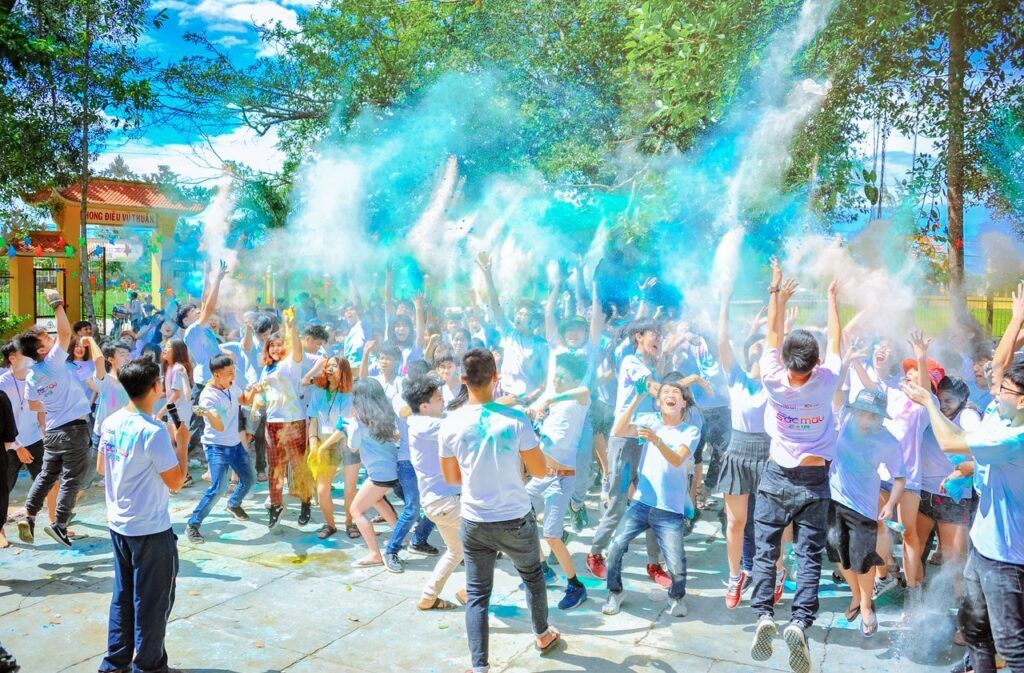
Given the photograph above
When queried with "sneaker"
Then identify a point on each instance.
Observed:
(574, 597)
(614, 603)
(27, 530)
(237, 512)
(193, 535)
(393, 564)
(550, 578)
(305, 512)
(677, 608)
(579, 517)
(780, 584)
(658, 574)
(734, 590)
(58, 533)
(274, 515)
(424, 548)
(884, 585)
(596, 566)
(764, 634)
(799, 655)
(566, 537)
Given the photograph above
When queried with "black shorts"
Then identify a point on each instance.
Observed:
(385, 484)
(852, 539)
(943, 509)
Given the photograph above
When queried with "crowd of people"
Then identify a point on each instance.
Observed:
(498, 424)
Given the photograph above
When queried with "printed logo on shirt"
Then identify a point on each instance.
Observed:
(46, 390)
(798, 422)
(109, 447)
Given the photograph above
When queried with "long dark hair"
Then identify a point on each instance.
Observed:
(344, 367)
(179, 356)
(71, 350)
(371, 407)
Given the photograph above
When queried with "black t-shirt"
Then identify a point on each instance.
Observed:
(8, 428)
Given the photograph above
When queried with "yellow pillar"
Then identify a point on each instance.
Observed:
(165, 231)
(23, 300)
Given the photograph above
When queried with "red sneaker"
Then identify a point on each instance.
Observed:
(596, 566)
(658, 574)
(780, 581)
(732, 594)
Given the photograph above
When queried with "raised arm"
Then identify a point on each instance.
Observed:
(596, 315)
(64, 332)
(835, 327)
(483, 260)
(725, 353)
(950, 438)
(419, 304)
(98, 361)
(210, 303)
(550, 322)
(623, 426)
(919, 342)
(291, 335)
(773, 329)
(1003, 357)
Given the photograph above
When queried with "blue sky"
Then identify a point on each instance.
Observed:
(231, 24)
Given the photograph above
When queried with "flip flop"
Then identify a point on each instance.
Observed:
(852, 613)
(547, 648)
(362, 563)
(868, 630)
(439, 604)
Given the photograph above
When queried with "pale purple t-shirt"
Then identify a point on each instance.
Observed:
(907, 423)
(854, 479)
(800, 421)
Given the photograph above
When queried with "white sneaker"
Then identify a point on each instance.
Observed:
(883, 585)
(614, 603)
(761, 648)
(677, 608)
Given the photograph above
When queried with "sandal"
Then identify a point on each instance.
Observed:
(868, 630)
(852, 613)
(325, 532)
(556, 636)
(352, 531)
(438, 604)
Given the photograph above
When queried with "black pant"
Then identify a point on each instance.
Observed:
(258, 437)
(10, 466)
(145, 568)
(992, 613)
(67, 451)
(798, 495)
(197, 424)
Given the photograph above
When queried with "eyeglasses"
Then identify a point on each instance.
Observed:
(1004, 389)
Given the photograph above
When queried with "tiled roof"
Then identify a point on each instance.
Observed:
(124, 194)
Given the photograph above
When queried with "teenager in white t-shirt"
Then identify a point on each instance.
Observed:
(281, 396)
(330, 403)
(794, 488)
(564, 410)
(484, 447)
(440, 500)
(662, 501)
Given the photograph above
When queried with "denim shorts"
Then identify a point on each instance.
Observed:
(943, 509)
(552, 496)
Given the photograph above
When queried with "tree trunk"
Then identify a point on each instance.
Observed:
(881, 172)
(955, 152)
(88, 311)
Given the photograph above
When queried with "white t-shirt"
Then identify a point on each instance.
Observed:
(424, 449)
(907, 423)
(52, 383)
(800, 421)
(328, 407)
(854, 479)
(283, 396)
(26, 419)
(111, 397)
(487, 439)
(747, 401)
(561, 431)
(522, 362)
(202, 347)
(632, 370)
(225, 404)
(82, 371)
(136, 449)
(659, 483)
(177, 379)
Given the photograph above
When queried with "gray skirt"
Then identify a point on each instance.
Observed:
(743, 463)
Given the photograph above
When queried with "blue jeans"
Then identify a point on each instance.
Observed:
(623, 464)
(222, 460)
(145, 568)
(798, 496)
(992, 613)
(481, 543)
(410, 513)
(668, 529)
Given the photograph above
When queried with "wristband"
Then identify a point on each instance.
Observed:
(772, 289)
(59, 302)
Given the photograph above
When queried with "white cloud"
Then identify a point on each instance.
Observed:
(230, 15)
(196, 161)
(229, 41)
